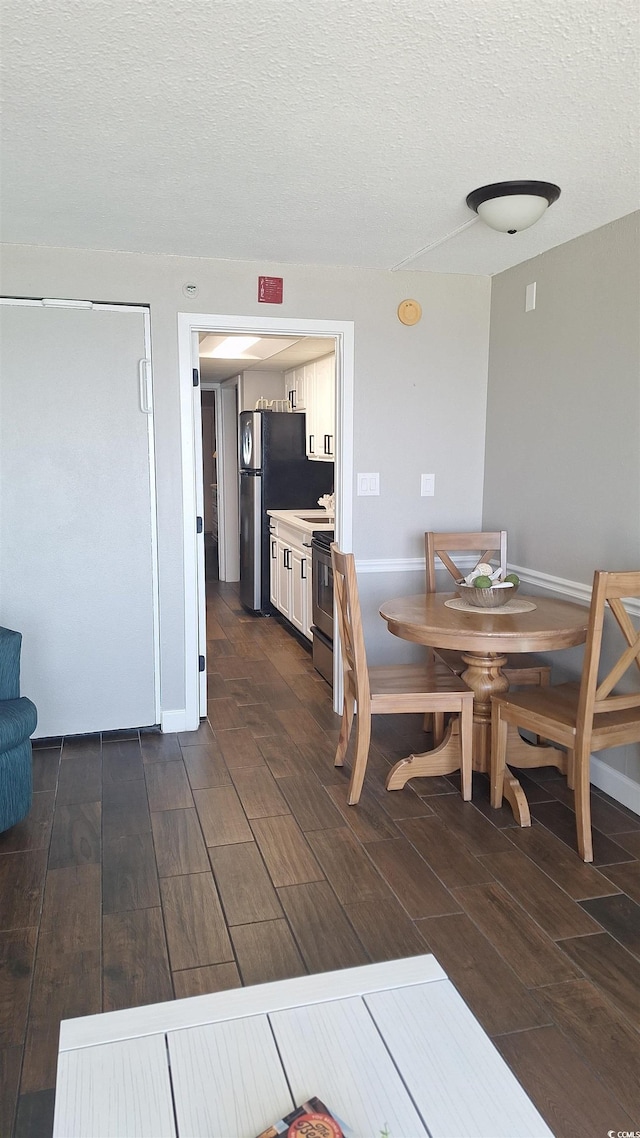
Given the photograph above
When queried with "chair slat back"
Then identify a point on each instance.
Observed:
(488, 545)
(597, 698)
(345, 586)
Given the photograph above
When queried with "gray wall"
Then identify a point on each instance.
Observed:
(419, 400)
(562, 470)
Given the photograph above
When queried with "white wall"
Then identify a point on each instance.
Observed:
(420, 392)
(254, 385)
(562, 470)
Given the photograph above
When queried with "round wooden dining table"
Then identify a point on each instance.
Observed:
(484, 636)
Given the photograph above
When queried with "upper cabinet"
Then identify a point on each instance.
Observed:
(312, 388)
(323, 419)
(296, 382)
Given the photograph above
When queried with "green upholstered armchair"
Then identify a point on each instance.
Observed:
(18, 718)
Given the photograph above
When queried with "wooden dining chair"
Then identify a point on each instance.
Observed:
(392, 690)
(581, 717)
(522, 669)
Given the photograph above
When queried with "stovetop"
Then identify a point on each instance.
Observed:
(323, 537)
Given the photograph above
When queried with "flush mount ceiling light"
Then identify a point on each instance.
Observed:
(219, 347)
(512, 206)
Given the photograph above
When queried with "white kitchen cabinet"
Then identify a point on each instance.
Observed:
(312, 389)
(297, 382)
(321, 409)
(276, 559)
(300, 612)
(324, 408)
(290, 563)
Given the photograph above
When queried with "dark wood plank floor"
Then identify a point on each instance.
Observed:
(154, 867)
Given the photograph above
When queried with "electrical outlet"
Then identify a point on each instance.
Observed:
(530, 297)
(368, 484)
(427, 485)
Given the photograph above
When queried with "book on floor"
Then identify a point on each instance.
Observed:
(311, 1120)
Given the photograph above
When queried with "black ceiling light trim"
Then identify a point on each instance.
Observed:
(546, 190)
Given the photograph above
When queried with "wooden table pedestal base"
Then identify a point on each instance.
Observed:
(443, 759)
(485, 677)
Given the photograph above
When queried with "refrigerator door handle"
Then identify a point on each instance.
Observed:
(250, 540)
(250, 440)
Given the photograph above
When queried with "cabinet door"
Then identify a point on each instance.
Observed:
(325, 407)
(295, 388)
(273, 568)
(298, 613)
(283, 586)
(313, 441)
(308, 590)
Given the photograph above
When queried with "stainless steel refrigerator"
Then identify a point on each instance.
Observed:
(275, 474)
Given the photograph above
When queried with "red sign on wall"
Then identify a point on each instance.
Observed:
(270, 290)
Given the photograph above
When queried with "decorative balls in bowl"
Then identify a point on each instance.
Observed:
(484, 589)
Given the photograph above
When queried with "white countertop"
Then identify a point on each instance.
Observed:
(304, 520)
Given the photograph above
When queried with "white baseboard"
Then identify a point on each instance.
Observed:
(172, 721)
(618, 785)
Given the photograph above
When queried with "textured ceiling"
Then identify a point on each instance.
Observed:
(320, 133)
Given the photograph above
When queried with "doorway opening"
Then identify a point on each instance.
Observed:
(249, 384)
(241, 373)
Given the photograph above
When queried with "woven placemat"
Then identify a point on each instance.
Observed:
(504, 610)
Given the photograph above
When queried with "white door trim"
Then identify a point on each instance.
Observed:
(342, 331)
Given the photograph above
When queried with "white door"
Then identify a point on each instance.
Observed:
(77, 513)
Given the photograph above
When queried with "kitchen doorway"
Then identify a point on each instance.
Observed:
(191, 326)
(242, 373)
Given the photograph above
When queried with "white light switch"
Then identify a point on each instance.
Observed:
(530, 297)
(427, 485)
(368, 484)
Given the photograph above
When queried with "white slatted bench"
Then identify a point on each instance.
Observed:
(384, 1045)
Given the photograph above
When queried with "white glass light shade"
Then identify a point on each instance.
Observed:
(511, 206)
(513, 213)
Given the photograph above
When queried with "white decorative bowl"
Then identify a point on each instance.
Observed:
(493, 598)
